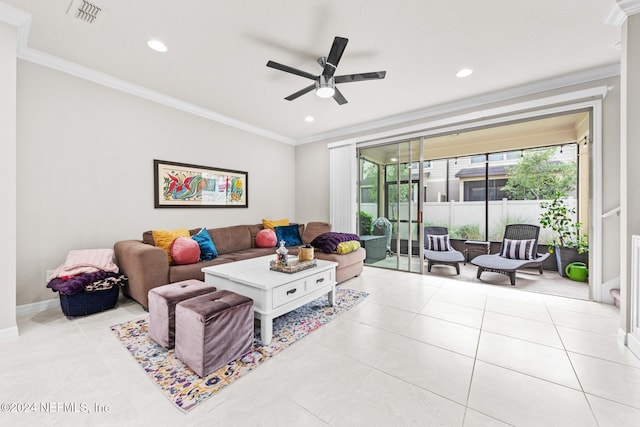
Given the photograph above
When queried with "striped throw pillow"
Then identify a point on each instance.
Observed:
(438, 242)
(517, 249)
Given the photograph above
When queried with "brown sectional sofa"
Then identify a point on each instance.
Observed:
(146, 265)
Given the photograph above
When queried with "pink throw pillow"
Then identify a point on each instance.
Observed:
(184, 250)
(266, 238)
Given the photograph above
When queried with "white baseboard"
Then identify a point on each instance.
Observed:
(633, 341)
(8, 333)
(605, 290)
(621, 336)
(37, 307)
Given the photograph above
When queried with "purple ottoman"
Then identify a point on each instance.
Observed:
(162, 307)
(213, 329)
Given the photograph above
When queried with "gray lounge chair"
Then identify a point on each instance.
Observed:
(498, 264)
(450, 257)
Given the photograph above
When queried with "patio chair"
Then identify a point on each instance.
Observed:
(519, 250)
(438, 250)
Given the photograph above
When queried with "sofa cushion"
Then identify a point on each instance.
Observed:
(231, 239)
(147, 238)
(313, 230)
(290, 234)
(355, 257)
(164, 238)
(272, 223)
(254, 229)
(266, 238)
(208, 250)
(184, 250)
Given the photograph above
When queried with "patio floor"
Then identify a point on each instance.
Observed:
(550, 282)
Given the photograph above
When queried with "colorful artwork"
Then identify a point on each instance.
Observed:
(183, 185)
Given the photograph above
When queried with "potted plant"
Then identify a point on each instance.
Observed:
(570, 244)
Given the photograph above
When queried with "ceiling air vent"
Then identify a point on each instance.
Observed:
(84, 10)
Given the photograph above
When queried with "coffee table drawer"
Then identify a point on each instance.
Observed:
(289, 292)
(318, 280)
(292, 291)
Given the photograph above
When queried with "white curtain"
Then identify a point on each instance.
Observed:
(343, 168)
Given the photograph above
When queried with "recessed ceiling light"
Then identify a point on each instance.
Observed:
(465, 72)
(393, 159)
(309, 119)
(157, 45)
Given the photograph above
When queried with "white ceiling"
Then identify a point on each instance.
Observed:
(218, 51)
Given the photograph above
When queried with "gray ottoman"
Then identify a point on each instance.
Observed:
(213, 329)
(162, 306)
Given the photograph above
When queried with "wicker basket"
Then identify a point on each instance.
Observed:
(305, 253)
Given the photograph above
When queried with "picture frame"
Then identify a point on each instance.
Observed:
(182, 185)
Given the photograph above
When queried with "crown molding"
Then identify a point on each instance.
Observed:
(12, 15)
(22, 20)
(621, 10)
(585, 76)
(59, 64)
(525, 110)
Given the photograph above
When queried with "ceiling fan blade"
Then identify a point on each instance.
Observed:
(300, 92)
(339, 97)
(291, 70)
(360, 77)
(337, 49)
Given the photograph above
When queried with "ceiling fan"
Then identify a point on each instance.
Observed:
(325, 83)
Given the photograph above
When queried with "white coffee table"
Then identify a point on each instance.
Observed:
(274, 293)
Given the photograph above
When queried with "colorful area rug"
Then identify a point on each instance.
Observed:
(186, 389)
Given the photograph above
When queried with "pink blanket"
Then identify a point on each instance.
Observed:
(86, 261)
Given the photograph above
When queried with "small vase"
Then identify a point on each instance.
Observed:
(282, 254)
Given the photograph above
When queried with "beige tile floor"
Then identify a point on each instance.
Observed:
(420, 351)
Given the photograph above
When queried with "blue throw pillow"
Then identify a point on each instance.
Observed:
(289, 233)
(208, 250)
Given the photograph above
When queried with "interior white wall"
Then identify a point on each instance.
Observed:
(8, 45)
(610, 192)
(630, 153)
(85, 170)
(312, 182)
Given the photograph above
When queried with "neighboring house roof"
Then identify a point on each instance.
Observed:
(500, 170)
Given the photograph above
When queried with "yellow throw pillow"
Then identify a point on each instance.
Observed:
(346, 247)
(164, 238)
(272, 223)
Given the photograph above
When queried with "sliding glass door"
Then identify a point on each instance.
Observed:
(390, 181)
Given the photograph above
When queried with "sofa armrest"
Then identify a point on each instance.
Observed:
(145, 266)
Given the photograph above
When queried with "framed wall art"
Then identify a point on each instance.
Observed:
(181, 185)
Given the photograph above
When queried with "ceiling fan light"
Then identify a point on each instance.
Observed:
(325, 87)
(325, 91)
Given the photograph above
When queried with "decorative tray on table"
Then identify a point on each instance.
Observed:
(293, 266)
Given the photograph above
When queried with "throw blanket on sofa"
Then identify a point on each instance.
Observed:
(328, 242)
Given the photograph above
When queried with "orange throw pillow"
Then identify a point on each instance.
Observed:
(164, 238)
(272, 223)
